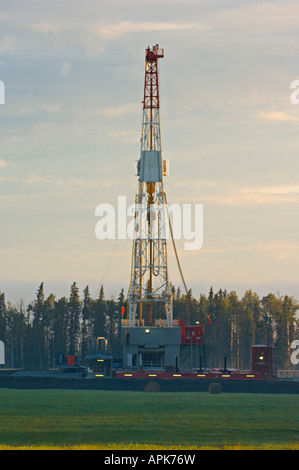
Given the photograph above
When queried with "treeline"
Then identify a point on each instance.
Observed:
(35, 334)
(232, 325)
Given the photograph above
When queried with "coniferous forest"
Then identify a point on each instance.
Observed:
(35, 334)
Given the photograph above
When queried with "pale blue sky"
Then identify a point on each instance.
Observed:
(70, 129)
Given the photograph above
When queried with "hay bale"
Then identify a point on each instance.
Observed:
(215, 388)
(152, 387)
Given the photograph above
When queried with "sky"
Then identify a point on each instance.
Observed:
(70, 134)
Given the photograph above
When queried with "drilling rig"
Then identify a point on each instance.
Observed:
(149, 272)
(150, 342)
(155, 344)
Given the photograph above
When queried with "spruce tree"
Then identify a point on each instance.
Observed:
(3, 318)
(86, 332)
(60, 327)
(37, 311)
(98, 315)
(74, 320)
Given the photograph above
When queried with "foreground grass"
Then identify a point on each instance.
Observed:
(151, 447)
(89, 419)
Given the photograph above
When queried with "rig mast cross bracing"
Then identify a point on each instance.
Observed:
(149, 271)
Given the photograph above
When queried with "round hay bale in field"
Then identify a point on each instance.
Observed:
(152, 387)
(215, 388)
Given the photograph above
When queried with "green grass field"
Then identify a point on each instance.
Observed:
(89, 419)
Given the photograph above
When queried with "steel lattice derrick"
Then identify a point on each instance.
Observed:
(149, 271)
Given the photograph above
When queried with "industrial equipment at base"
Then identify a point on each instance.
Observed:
(178, 358)
(263, 367)
(159, 347)
(100, 358)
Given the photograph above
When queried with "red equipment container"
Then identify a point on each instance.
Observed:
(192, 335)
(263, 360)
(71, 360)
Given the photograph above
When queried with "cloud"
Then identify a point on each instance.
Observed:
(233, 196)
(214, 191)
(46, 27)
(276, 116)
(65, 69)
(117, 30)
(30, 108)
(98, 35)
(128, 136)
(281, 250)
(7, 44)
(122, 110)
(2, 163)
(35, 178)
(264, 17)
(94, 36)
(50, 108)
